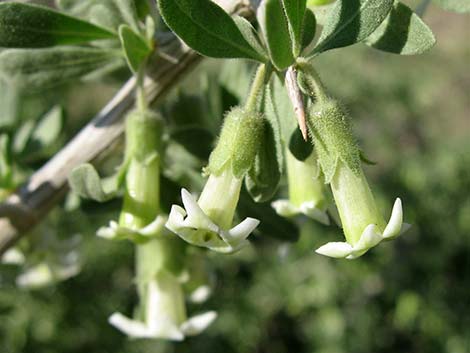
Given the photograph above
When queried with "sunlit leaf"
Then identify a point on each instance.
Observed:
(32, 26)
(403, 32)
(351, 21)
(206, 28)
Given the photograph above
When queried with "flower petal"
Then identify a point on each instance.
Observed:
(370, 237)
(395, 223)
(116, 232)
(12, 256)
(155, 228)
(285, 208)
(138, 329)
(198, 323)
(240, 232)
(311, 210)
(128, 326)
(198, 229)
(200, 294)
(190, 204)
(335, 249)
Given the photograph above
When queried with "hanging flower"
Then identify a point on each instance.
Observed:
(164, 314)
(207, 222)
(306, 190)
(339, 157)
(140, 220)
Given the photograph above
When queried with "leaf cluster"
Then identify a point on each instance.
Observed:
(286, 29)
(45, 47)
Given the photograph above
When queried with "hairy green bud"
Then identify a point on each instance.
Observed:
(238, 142)
(332, 135)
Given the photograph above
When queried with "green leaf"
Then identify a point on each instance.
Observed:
(249, 33)
(45, 132)
(86, 182)
(300, 148)
(273, 24)
(6, 171)
(206, 28)
(284, 110)
(295, 13)
(9, 104)
(310, 28)
(454, 5)
(136, 48)
(40, 68)
(22, 136)
(351, 21)
(403, 32)
(31, 26)
(263, 178)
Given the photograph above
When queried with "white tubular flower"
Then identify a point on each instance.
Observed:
(339, 157)
(140, 219)
(207, 222)
(306, 190)
(164, 313)
(13, 256)
(116, 232)
(44, 274)
(363, 225)
(59, 260)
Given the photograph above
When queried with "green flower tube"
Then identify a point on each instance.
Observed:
(306, 190)
(207, 222)
(339, 157)
(159, 259)
(140, 217)
(162, 310)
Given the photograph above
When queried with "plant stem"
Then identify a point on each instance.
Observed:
(141, 100)
(312, 84)
(256, 88)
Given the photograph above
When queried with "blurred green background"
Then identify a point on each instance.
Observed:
(411, 115)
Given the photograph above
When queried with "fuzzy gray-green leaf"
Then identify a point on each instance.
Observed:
(403, 32)
(295, 13)
(249, 33)
(45, 132)
(351, 21)
(273, 24)
(206, 28)
(39, 68)
(85, 181)
(32, 26)
(310, 28)
(263, 178)
(136, 48)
